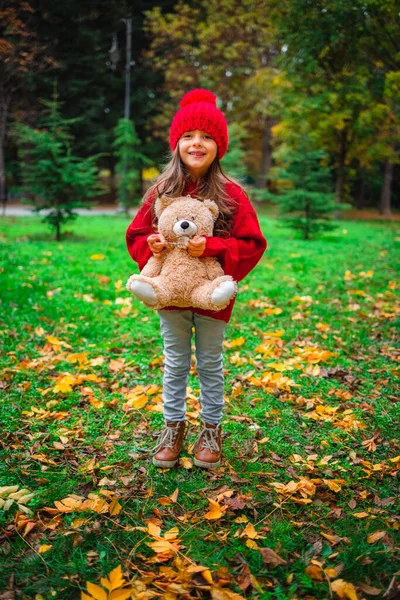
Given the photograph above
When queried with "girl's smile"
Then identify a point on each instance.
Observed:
(197, 151)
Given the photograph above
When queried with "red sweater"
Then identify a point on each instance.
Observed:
(238, 254)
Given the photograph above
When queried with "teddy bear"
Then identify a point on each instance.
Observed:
(173, 277)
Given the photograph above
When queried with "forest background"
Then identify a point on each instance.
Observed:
(322, 75)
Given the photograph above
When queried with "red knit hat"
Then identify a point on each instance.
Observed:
(199, 111)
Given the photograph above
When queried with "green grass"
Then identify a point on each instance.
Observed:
(57, 289)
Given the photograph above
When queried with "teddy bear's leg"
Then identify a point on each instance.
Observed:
(214, 295)
(143, 291)
(223, 293)
(153, 291)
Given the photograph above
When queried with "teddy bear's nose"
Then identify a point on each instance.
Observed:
(185, 224)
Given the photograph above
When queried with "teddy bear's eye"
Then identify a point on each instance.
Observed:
(177, 219)
(193, 218)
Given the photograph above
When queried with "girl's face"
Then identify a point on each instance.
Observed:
(197, 151)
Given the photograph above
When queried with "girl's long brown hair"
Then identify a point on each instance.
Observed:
(175, 177)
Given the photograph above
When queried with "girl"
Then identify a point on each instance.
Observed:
(198, 140)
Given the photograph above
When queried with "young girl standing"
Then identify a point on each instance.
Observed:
(198, 140)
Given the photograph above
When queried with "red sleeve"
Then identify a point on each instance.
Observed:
(138, 232)
(239, 253)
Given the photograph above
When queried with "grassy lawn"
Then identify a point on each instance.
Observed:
(306, 502)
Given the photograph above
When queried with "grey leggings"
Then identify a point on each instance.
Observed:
(176, 329)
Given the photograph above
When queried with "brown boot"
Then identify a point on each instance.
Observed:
(169, 444)
(208, 447)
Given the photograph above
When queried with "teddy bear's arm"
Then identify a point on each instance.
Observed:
(153, 267)
(213, 268)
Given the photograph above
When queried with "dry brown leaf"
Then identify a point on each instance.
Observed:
(332, 538)
(368, 589)
(271, 558)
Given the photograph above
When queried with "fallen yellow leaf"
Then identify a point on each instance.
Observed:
(375, 536)
(215, 511)
(344, 589)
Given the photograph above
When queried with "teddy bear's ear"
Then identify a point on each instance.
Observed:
(212, 207)
(161, 204)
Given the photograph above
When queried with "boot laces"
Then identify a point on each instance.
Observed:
(207, 439)
(167, 438)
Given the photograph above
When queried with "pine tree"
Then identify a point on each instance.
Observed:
(306, 199)
(233, 161)
(53, 177)
(130, 162)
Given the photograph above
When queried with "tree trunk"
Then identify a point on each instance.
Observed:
(341, 169)
(360, 202)
(266, 154)
(3, 125)
(385, 207)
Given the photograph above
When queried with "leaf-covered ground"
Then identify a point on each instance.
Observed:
(304, 505)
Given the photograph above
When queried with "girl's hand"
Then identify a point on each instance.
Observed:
(157, 243)
(196, 246)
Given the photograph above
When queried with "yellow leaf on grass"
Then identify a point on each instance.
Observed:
(65, 384)
(115, 508)
(171, 534)
(153, 389)
(344, 589)
(361, 515)
(234, 343)
(97, 592)
(68, 505)
(206, 573)
(97, 257)
(121, 594)
(264, 440)
(252, 544)
(249, 532)
(45, 548)
(53, 340)
(272, 311)
(215, 511)
(315, 573)
(114, 580)
(96, 403)
(219, 593)
(331, 572)
(241, 519)
(162, 546)
(334, 484)
(186, 462)
(164, 501)
(375, 536)
(174, 496)
(154, 530)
